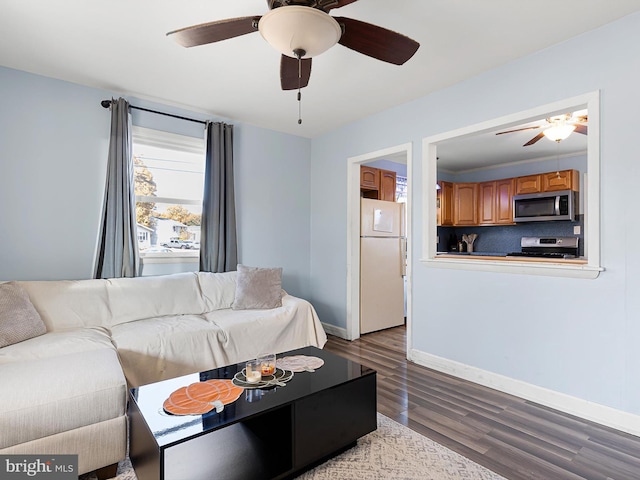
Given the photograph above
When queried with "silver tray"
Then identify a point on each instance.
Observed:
(269, 381)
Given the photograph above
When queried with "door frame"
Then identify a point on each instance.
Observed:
(399, 154)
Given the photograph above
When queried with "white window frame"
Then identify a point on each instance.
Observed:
(592, 269)
(182, 143)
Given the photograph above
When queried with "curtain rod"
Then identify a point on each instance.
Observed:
(107, 104)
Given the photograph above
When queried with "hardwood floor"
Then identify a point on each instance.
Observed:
(514, 437)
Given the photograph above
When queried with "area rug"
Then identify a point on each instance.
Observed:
(393, 451)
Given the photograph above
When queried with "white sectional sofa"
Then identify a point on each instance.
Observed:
(66, 391)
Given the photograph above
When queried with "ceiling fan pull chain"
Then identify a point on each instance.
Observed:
(299, 55)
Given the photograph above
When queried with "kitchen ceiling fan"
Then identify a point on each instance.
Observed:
(557, 128)
(300, 30)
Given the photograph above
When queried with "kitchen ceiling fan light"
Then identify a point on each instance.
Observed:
(558, 133)
(295, 27)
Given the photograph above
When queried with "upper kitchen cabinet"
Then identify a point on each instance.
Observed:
(495, 202)
(529, 184)
(377, 183)
(548, 182)
(369, 182)
(564, 180)
(387, 185)
(504, 201)
(444, 203)
(487, 203)
(465, 203)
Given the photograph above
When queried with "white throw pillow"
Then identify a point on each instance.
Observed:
(19, 320)
(258, 288)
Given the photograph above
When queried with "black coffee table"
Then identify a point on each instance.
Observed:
(272, 433)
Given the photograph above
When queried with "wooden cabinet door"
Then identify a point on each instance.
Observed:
(564, 180)
(465, 203)
(387, 186)
(486, 202)
(445, 203)
(528, 184)
(504, 201)
(369, 178)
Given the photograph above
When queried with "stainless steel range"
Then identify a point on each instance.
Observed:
(547, 247)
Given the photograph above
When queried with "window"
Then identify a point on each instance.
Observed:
(169, 185)
(589, 266)
(401, 189)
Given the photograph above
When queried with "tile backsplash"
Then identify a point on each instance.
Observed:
(506, 239)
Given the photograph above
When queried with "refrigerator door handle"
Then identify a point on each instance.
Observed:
(403, 256)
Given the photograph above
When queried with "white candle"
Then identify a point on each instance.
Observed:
(253, 376)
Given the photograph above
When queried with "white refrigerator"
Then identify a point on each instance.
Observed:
(382, 264)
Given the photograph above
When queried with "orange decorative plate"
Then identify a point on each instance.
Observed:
(179, 403)
(198, 398)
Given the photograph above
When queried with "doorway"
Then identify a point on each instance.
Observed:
(398, 154)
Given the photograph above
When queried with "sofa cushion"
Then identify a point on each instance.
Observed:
(76, 303)
(258, 288)
(70, 303)
(52, 395)
(250, 333)
(218, 289)
(58, 343)
(165, 347)
(138, 298)
(19, 319)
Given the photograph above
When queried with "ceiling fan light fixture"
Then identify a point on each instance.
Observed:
(297, 28)
(557, 133)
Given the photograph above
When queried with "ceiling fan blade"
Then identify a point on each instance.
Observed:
(518, 130)
(215, 31)
(581, 129)
(289, 72)
(376, 42)
(338, 4)
(534, 139)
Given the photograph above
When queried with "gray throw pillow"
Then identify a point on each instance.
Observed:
(258, 288)
(19, 319)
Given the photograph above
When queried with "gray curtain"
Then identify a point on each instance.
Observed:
(218, 244)
(118, 243)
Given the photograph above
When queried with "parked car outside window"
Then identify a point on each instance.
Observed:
(183, 244)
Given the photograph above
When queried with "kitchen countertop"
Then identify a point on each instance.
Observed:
(503, 257)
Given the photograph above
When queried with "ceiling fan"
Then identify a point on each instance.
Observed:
(558, 127)
(301, 29)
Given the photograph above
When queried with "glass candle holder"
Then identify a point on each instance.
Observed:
(268, 364)
(252, 371)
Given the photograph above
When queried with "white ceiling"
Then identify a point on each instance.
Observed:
(120, 46)
(486, 149)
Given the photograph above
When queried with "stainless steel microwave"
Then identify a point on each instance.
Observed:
(546, 206)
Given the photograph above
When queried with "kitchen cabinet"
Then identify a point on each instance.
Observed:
(548, 182)
(487, 202)
(529, 184)
(444, 204)
(504, 201)
(369, 178)
(377, 183)
(495, 202)
(491, 203)
(387, 186)
(465, 203)
(563, 180)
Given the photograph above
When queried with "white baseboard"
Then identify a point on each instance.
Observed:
(336, 331)
(585, 409)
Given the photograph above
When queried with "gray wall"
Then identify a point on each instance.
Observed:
(53, 150)
(577, 337)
